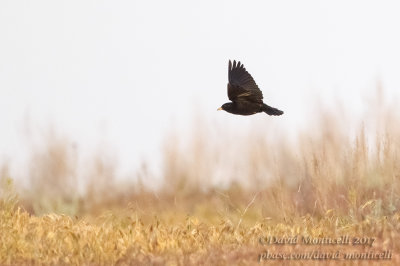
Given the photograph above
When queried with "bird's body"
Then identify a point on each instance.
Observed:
(249, 108)
(246, 97)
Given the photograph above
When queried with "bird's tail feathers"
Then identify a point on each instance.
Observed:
(271, 110)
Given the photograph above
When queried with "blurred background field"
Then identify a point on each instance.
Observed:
(220, 191)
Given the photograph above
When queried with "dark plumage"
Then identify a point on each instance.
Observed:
(246, 97)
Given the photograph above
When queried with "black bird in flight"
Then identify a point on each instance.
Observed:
(246, 97)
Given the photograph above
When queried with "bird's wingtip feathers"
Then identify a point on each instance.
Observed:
(235, 64)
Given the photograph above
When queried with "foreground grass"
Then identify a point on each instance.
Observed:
(123, 237)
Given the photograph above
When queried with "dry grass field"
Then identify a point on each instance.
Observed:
(326, 184)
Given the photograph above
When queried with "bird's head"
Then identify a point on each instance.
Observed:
(225, 107)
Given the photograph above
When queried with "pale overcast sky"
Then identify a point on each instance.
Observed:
(124, 73)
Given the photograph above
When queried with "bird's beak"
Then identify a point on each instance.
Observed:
(219, 109)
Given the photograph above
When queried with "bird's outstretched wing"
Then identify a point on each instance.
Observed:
(241, 86)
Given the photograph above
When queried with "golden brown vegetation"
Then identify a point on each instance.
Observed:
(327, 183)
